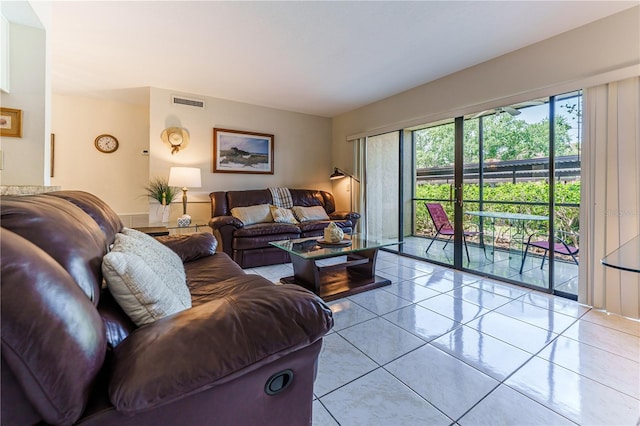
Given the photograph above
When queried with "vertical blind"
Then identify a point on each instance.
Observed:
(610, 214)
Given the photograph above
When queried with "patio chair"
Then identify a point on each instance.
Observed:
(559, 247)
(444, 227)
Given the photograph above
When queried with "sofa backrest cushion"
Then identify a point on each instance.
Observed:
(222, 202)
(248, 198)
(312, 197)
(106, 218)
(63, 231)
(53, 339)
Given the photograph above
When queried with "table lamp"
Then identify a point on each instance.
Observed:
(185, 177)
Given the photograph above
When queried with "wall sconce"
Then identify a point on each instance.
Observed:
(339, 174)
(185, 177)
(176, 137)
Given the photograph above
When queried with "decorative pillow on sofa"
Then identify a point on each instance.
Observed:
(306, 214)
(252, 214)
(164, 254)
(146, 278)
(282, 215)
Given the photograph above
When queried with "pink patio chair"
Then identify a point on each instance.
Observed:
(559, 247)
(444, 227)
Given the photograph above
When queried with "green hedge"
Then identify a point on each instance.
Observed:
(566, 218)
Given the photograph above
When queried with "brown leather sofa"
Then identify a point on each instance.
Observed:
(249, 245)
(245, 353)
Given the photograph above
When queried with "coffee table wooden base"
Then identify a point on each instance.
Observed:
(332, 282)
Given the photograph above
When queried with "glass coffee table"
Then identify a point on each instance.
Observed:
(335, 280)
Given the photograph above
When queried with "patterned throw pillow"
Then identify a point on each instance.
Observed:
(282, 215)
(164, 253)
(253, 214)
(146, 278)
(306, 214)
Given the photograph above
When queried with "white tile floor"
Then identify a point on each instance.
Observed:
(443, 347)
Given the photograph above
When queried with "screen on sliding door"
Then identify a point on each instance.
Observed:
(433, 201)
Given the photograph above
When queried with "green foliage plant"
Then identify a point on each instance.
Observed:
(158, 189)
(567, 219)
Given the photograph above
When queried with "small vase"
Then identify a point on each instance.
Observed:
(159, 213)
(166, 211)
(184, 220)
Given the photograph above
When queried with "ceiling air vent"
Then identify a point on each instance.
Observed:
(180, 100)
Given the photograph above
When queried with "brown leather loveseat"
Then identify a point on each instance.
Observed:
(245, 353)
(249, 245)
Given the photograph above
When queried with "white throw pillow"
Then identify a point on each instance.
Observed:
(162, 253)
(143, 278)
(259, 213)
(282, 215)
(306, 214)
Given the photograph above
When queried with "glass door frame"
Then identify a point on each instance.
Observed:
(458, 198)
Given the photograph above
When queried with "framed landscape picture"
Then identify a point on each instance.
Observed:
(236, 151)
(11, 122)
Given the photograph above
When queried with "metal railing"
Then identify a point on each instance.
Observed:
(422, 225)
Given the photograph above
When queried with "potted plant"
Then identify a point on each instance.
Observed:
(159, 190)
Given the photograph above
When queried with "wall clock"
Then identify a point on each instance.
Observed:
(106, 144)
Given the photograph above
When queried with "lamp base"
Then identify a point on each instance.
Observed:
(184, 220)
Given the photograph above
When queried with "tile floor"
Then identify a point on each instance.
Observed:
(443, 347)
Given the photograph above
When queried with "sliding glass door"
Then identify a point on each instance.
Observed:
(507, 190)
(434, 148)
(507, 181)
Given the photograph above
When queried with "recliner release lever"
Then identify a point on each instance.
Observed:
(278, 382)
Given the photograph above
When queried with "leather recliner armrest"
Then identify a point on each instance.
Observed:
(220, 221)
(191, 246)
(202, 347)
(345, 215)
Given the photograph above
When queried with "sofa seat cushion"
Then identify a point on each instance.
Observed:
(146, 278)
(212, 290)
(319, 225)
(218, 267)
(261, 242)
(272, 228)
(214, 343)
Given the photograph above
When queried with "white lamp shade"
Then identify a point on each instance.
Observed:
(186, 177)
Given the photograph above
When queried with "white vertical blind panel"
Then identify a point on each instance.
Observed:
(610, 214)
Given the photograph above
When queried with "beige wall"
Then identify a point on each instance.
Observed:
(608, 50)
(118, 178)
(24, 158)
(302, 148)
(302, 145)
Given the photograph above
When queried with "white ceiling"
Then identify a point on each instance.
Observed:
(320, 58)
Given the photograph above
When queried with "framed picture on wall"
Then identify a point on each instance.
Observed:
(235, 151)
(10, 122)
